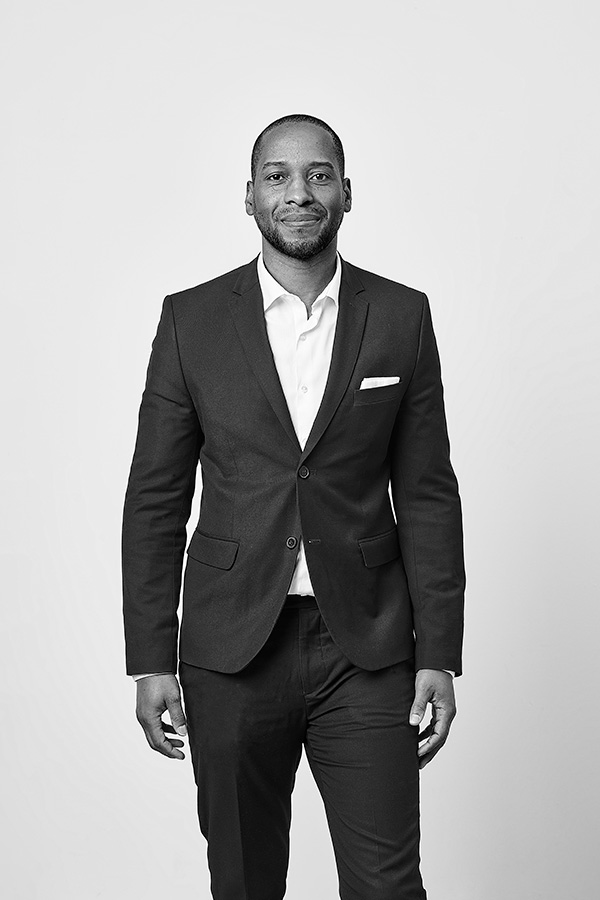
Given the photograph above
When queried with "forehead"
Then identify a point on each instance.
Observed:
(297, 143)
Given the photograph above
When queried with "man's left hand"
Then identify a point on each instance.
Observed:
(433, 686)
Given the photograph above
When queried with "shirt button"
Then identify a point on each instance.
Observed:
(302, 337)
(304, 389)
(291, 543)
(303, 471)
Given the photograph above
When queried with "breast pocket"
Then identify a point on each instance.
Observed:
(384, 394)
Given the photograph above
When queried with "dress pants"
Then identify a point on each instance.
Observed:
(246, 733)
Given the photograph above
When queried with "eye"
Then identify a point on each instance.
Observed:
(276, 177)
(320, 176)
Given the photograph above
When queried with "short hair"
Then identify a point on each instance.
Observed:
(293, 119)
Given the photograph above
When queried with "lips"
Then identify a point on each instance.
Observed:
(300, 219)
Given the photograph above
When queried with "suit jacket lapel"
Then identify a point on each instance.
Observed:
(248, 314)
(350, 327)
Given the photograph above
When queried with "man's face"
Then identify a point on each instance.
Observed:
(298, 197)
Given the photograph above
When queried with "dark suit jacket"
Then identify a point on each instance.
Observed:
(388, 580)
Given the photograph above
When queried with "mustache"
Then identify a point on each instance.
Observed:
(295, 214)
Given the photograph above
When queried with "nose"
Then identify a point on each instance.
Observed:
(298, 191)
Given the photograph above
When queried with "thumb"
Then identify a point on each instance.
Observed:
(417, 710)
(176, 715)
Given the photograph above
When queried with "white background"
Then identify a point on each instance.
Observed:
(472, 138)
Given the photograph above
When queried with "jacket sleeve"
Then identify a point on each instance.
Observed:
(157, 506)
(428, 511)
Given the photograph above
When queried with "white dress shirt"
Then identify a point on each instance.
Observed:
(301, 346)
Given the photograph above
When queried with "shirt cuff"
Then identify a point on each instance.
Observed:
(149, 674)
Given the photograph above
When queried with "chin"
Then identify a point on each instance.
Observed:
(301, 249)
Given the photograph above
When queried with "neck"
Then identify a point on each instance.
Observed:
(304, 278)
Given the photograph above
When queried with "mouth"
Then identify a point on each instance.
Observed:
(300, 219)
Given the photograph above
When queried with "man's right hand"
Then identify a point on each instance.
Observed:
(155, 694)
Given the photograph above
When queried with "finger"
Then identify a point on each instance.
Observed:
(425, 760)
(431, 746)
(440, 726)
(429, 749)
(426, 732)
(158, 741)
(443, 722)
(166, 747)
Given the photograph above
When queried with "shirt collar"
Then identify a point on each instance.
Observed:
(272, 290)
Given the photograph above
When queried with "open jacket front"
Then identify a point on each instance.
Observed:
(389, 580)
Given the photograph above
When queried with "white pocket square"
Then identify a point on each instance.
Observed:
(379, 381)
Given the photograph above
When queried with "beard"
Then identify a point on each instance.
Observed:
(298, 248)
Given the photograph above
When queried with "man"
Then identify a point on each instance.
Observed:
(314, 614)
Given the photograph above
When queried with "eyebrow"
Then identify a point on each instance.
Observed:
(316, 163)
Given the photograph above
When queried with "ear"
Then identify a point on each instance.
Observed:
(347, 194)
(250, 198)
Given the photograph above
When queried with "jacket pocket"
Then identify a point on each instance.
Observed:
(380, 549)
(378, 394)
(213, 551)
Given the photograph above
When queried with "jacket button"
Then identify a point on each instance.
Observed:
(292, 543)
(303, 471)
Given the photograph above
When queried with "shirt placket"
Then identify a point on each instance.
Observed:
(306, 399)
